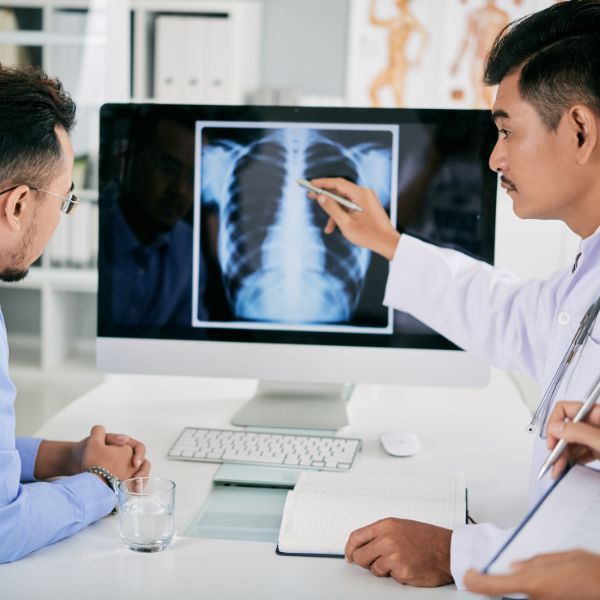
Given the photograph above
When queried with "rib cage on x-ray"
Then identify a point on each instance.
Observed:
(277, 263)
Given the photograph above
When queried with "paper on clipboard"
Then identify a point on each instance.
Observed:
(566, 518)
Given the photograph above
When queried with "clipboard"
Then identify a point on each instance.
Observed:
(566, 517)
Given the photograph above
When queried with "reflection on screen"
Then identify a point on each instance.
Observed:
(205, 234)
(277, 267)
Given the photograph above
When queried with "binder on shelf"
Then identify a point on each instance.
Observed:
(59, 246)
(193, 59)
(75, 241)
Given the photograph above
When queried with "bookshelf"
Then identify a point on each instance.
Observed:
(109, 51)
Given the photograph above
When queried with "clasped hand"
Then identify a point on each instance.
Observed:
(121, 455)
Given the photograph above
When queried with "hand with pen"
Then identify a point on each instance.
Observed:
(559, 575)
(583, 438)
(370, 227)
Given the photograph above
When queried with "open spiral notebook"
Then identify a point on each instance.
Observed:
(324, 508)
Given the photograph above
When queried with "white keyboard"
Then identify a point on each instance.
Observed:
(267, 449)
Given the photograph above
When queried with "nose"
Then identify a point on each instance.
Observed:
(497, 160)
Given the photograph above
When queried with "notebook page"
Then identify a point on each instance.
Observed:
(321, 523)
(449, 488)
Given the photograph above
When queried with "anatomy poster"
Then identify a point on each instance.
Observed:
(425, 53)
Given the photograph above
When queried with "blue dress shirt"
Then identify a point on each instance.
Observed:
(33, 513)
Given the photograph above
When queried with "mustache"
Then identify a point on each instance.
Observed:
(507, 182)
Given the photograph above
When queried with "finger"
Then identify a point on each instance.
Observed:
(380, 567)
(144, 469)
(358, 538)
(495, 584)
(559, 415)
(579, 433)
(541, 561)
(117, 439)
(330, 227)
(98, 433)
(138, 485)
(560, 464)
(340, 186)
(368, 553)
(139, 453)
(333, 209)
(564, 411)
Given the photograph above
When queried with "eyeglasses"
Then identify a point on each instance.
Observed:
(69, 202)
(575, 348)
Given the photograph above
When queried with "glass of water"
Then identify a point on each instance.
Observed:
(147, 509)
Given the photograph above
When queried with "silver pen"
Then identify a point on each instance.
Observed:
(343, 201)
(586, 407)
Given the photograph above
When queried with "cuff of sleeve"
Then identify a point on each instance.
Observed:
(402, 268)
(28, 449)
(96, 498)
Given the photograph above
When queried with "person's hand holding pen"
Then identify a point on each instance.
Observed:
(559, 575)
(370, 228)
(583, 438)
(556, 576)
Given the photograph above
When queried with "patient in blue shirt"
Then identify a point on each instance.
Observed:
(36, 167)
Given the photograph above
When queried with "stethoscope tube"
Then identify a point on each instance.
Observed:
(575, 347)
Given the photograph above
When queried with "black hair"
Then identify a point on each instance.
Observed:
(31, 106)
(558, 52)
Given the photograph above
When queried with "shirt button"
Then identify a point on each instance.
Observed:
(564, 318)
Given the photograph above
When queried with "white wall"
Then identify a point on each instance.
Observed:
(305, 44)
(531, 248)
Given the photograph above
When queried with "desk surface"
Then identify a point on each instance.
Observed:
(478, 432)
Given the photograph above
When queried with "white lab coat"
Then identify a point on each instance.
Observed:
(512, 324)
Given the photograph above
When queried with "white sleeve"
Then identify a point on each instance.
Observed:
(486, 310)
(472, 546)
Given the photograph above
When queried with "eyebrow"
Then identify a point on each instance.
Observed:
(72, 187)
(500, 114)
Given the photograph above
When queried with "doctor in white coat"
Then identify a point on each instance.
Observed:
(547, 112)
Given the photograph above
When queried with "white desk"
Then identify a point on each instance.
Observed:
(480, 432)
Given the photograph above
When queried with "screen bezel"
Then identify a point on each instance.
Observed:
(397, 341)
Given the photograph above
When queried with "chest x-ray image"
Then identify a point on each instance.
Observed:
(268, 262)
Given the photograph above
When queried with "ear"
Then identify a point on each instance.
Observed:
(583, 124)
(13, 205)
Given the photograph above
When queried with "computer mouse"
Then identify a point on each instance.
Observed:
(399, 443)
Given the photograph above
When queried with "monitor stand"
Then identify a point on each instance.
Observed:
(296, 405)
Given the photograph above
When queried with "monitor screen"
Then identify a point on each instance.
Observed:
(209, 246)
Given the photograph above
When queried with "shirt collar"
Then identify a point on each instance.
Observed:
(590, 242)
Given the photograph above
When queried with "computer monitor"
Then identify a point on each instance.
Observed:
(213, 261)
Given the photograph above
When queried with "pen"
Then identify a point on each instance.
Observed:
(343, 201)
(581, 414)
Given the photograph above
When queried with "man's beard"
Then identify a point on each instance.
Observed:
(13, 274)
